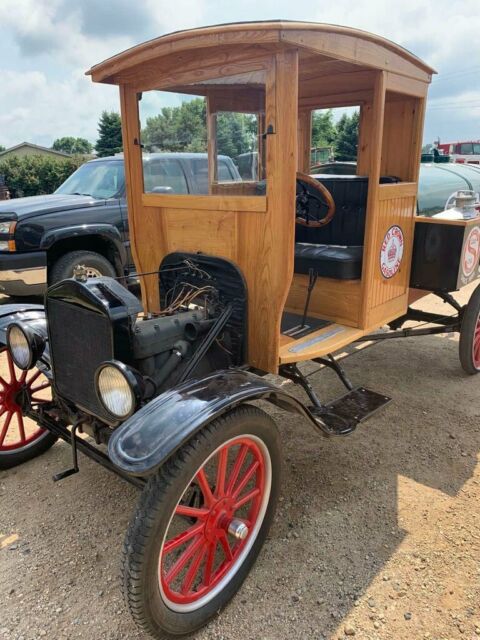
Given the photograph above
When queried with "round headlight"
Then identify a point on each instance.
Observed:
(25, 345)
(117, 389)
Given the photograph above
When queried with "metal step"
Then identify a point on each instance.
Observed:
(343, 415)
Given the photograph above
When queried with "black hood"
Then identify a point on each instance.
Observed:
(34, 205)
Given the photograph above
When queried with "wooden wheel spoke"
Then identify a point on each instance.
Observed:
(21, 425)
(191, 512)
(31, 380)
(221, 472)
(183, 560)
(5, 427)
(204, 485)
(193, 569)
(246, 498)
(242, 454)
(11, 368)
(182, 538)
(226, 546)
(207, 574)
(246, 478)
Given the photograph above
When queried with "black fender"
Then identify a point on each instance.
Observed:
(107, 232)
(149, 437)
(33, 315)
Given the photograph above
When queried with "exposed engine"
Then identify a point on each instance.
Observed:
(201, 328)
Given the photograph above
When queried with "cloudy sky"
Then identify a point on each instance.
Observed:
(46, 46)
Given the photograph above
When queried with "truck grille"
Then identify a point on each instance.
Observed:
(80, 340)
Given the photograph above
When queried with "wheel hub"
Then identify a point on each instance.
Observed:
(219, 519)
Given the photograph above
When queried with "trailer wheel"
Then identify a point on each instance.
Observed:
(201, 522)
(21, 439)
(469, 348)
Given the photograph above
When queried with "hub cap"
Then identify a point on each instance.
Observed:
(476, 345)
(16, 387)
(90, 272)
(215, 523)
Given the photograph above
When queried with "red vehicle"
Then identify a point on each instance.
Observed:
(463, 152)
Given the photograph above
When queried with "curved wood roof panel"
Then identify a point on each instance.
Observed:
(336, 42)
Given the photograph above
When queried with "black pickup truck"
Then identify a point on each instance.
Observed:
(85, 222)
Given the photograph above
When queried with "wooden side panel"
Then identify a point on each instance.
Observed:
(384, 291)
(336, 300)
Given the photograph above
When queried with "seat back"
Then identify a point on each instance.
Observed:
(348, 224)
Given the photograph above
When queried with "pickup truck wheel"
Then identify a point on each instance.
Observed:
(201, 522)
(21, 439)
(95, 264)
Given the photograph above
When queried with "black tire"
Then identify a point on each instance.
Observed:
(469, 347)
(64, 266)
(13, 449)
(144, 592)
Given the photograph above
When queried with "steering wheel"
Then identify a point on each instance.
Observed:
(321, 194)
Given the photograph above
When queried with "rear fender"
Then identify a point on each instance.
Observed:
(148, 438)
(34, 316)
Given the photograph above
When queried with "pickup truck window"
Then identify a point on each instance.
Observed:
(101, 180)
(164, 175)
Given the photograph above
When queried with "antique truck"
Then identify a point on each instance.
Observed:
(252, 278)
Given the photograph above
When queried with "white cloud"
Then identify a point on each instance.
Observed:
(39, 110)
(45, 95)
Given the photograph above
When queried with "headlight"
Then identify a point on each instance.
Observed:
(7, 229)
(119, 389)
(25, 345)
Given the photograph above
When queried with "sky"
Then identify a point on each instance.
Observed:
(47, 45)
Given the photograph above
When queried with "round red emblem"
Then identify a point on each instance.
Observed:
(471, 252)
(391, 253)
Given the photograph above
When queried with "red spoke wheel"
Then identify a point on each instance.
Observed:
(201, 522)
(469, 348)
(21, 439)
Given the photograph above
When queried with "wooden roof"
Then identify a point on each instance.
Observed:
(222, 44)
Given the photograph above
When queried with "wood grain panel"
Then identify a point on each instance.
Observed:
(382, 291)
(207, 203)
(336, 300)
(215, 232)
(318, 344)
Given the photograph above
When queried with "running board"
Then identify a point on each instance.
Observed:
(343, 415)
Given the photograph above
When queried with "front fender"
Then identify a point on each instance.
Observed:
(31, 314)
(148, 438)
(108, 232)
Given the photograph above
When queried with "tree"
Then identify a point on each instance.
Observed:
(2, 148)
(109, 134)
(346, 143)
(323, 128)
(73, 146)
(36, 175)
(184, 128)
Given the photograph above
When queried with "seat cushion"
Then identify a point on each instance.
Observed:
(329, 261)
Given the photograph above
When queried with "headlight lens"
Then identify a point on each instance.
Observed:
(5, 226)
(116, 389)
(19, 347)
(25, 345)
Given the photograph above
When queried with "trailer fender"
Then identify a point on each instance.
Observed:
(31, 314)
(149, 437)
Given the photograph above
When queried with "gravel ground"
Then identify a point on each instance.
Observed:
(377, 534)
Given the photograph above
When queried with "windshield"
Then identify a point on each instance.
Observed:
(97, 179)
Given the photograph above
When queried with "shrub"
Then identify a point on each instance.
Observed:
(36, 175)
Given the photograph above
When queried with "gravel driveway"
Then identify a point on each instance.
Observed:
(377, 534)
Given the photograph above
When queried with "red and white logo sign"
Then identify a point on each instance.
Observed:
(391, 253)
(471, 252)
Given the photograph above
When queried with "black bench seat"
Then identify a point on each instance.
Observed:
(329, 261)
